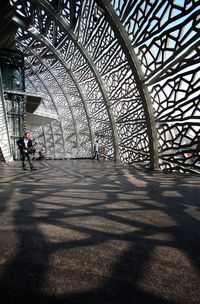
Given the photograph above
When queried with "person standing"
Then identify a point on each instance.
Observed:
(96, 150)
(25, 146)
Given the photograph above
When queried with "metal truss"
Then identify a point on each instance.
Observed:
(125, 72)
(59, 58)
(55, 80)
(50, 143)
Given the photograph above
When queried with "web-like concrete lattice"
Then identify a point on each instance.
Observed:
(125, 72)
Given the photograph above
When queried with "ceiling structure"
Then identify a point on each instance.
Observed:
(124, 72)
(7, 28)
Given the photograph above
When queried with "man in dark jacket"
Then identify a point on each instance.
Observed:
(26, 148)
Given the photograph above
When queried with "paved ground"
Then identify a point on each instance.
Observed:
(82, 231)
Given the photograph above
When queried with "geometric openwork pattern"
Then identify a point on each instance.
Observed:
(125, 72)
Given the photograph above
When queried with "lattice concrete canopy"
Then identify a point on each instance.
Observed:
(124, 72)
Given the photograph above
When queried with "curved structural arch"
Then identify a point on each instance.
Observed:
(122, 37)
(56, 54)
(55, 80)
(52, 99)
(49, 10)
(130, 70)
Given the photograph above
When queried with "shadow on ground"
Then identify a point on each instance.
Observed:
(97, 232)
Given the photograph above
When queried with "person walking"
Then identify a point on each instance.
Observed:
(96, 151)
(25, 146)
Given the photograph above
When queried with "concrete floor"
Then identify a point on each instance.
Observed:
(82, 231)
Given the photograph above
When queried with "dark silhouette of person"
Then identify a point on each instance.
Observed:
(41, 154)
(96, 151)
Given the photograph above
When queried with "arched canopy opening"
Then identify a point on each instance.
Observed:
(123, 72)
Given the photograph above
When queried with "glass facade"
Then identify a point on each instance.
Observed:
(13, 85)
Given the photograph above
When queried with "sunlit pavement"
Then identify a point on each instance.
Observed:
(83, 231)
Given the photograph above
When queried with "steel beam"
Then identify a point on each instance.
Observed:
(127, 48)
(53, 139)
(60, 86)
(39, 37)
(72, 13)
(65, 27)
(46, 88)
(60, 59)
(45, 141)
(5, 136)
